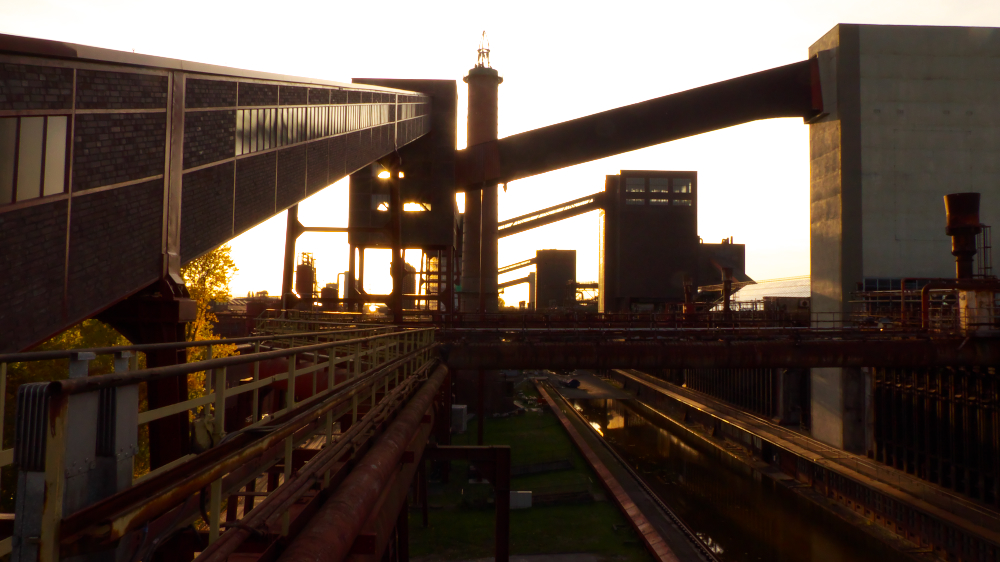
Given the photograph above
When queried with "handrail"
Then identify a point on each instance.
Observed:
(350, 375)
(68, 354)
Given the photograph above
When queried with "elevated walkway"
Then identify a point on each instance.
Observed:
(164, 161)
(551, 214)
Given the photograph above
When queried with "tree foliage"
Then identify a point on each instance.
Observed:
(207, 279)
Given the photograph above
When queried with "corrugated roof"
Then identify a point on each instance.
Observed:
(786, 287)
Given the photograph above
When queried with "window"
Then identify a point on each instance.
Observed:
(416, 207)
(659, 185)
(659, 201)
(682, 185)
(32, 157)
(380, 201)
(635, 185)
(635, 201)
(682, 202)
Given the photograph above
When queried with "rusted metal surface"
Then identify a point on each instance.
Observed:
(595, 353)
(950, 527)
(331, 532)
(962, 212)
(114, 517)
(275, 504)
(89, 384)
(655, 544)
(956, 284)
(390, 509)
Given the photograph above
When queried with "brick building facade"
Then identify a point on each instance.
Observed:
(117, 168)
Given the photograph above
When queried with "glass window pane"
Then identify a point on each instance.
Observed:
(270, 129)
(265, 136)
(253, 130)
(55, 156)
(682, 185)
(635, 185)
(659, 185)
(8, 142)
(29, 158)
(635, 201)
(282, 127)
(262, 129)
(659, 201)
(683, 202)
(239, 132)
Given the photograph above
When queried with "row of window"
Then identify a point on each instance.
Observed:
(263, 129)
(33, 157)
(676, 202)
(892, 284)
(658, 185)
(407, 111)
(34, 150)
(380, 202)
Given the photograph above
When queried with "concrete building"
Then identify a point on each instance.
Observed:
(555, 282)
(910, 115)
(649, 239)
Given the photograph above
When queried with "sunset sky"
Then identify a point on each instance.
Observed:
(559, 60)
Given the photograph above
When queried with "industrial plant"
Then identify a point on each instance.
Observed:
(851, 414)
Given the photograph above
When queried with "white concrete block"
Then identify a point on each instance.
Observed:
(520, 499)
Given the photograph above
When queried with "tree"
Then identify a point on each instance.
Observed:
(207, 279)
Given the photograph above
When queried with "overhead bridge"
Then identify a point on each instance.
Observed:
(551, 214)
(129, 166)
(788, 91)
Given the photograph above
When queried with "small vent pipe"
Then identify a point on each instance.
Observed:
(962, 210)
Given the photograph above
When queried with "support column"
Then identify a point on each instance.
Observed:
(159, 314)
(480, 406)
(727, 292)
(292, 230)
(484, 82)
(350, 289)
(469, 297)
(396, 226)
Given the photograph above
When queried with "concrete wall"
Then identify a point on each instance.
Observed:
(912, 116)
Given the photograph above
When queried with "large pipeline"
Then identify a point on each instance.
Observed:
(329, 535)
(787, 91)
(593, 354)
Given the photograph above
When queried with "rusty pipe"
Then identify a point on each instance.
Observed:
(126, 510)
(278, 501)
(330, 534)
(598, 353)
(962, 213)
(391, 508)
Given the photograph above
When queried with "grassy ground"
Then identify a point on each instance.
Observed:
(462, 516)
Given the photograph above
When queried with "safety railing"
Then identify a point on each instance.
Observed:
(939, 306)
(826, 455)
(78, 437)
(81, 362)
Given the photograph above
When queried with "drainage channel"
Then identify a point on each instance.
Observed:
(736, 513)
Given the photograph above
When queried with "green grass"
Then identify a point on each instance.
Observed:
(462, 517)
